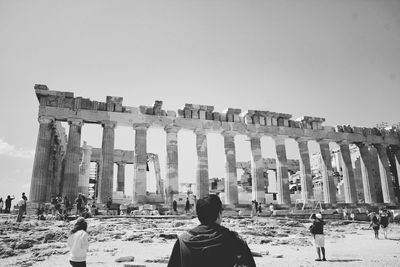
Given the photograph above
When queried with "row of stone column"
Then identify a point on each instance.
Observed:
(40, 177)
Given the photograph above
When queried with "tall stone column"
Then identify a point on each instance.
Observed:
(231, 189)
(72, 157)
(107, 161)
(305, 170)
(40, 179)
(282, 172)
(328, 184)
(121, 177)
(257, 169)
(376, 174)
(386, 177)
(396, 152)
(172, 182)
(139, 182)
(84, 170)
(350, 192)
(393, 169)
(202, 187)
(367, 177)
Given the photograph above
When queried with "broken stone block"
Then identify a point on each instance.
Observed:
(149, 111)
(157, 107)
(118, 107)
(216, 116)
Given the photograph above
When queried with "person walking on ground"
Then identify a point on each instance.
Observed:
(1, 204)
(175, 206)
(317, 230)
(8, 204)
(384, 222)
(210, 244)
(78, 243)
(25, 201)
(187, 205)
(271, 208)
(375, 224)
(108, 205)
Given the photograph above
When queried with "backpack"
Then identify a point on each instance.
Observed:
(312, 229)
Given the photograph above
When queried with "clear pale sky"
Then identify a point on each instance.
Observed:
(334, 59)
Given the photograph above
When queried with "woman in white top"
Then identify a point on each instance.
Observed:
(78, 243)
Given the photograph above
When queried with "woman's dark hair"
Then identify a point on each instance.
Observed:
(80, 224)
(313, 216)
(208, 209)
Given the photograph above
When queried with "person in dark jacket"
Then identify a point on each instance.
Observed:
(210, 244)
(318, 234)
(8, 204)
(375, 224)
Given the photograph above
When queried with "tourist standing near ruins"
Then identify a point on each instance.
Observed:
(21, 207)
(375, 224)
(1, 204)
(187, 205)
(175, 206)
(384, 222)
(8, 204)
(317, 229)
(210, 244)
(78, 243)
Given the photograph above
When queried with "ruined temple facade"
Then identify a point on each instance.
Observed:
(377, 147)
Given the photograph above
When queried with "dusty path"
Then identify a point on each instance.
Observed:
(281, 242)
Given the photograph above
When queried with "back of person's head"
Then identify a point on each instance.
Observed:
(8, 196)
(80, 224)
(208, 209)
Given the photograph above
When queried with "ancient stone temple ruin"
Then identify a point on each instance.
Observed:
(59, 165)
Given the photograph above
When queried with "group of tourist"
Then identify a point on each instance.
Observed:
(210, 244)
(379, 221)
(7, 205)
(61, 207)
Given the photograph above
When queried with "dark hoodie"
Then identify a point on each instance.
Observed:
(211, 246)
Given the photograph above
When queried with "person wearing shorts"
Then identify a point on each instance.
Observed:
(318, 235)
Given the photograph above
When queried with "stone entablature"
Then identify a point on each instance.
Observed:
(124, 156)
(63, 106)
(270, 164)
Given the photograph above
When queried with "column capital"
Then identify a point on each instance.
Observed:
(108, 124)
(200, 131)
(46, 119)
(228, 133)
(362, 144)
(75, 121)
(380, 145)
(141, 126)
(254, 135)
(301, 139)
(323, 141)
(120, 163)
(279, 139)
(172, 128)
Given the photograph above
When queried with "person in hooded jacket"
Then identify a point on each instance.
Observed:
(210, 244)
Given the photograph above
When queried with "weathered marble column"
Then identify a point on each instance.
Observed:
(107, 161)
(121, 177)
(305, 170)
(40, 179)
(328, 185)
(84, 170)
(72, 157)
(386, 177)
(375, 166)
(350, 192)
(202, 188)
(282, 172)
(231, 189)
(367, 177)
(396, 152)
(140, 181)
(257, 169)
(172, 181)
(393, 169)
